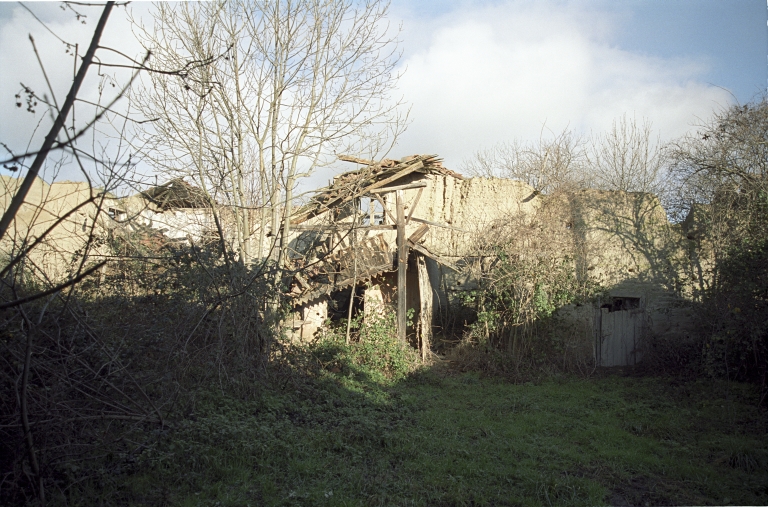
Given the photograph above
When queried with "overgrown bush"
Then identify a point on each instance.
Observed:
(722, 170)
(737, 314)
(528, 272)
(112, 361)
(374, 352)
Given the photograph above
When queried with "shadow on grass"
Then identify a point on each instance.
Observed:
(328, 431)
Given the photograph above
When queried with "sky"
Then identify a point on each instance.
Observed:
(477, 73)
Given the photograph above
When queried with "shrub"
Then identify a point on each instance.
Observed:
(374, 352)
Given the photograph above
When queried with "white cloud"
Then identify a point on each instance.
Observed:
(495, 73)
(477, 75)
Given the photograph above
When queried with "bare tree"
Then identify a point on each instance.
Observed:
(291, 82)
(549, 164)
(720, 174)
(63, 385)
(627, 158)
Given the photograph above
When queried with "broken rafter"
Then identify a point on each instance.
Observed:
(413, 206)
(418, 233)
(355, 160)
(342, 227)
(399, 170)
(399, 187)
(437, 258)
(437, 224)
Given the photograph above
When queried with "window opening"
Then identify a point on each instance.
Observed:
(371, 209)
(622, 303)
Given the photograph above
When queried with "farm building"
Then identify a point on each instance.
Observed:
(415, 225)
(411, 234)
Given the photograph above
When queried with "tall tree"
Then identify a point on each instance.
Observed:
(291, 83)
(721, 173)
(628, 158)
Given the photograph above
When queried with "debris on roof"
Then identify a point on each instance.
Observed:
(341, 269)
(354, 184)
(176, 193)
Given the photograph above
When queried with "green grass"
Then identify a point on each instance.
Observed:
(462, 440)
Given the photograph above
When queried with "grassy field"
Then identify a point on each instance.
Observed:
(438, 438)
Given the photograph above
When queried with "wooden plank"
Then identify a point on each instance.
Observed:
(413, 206)
(402, 266)
(349, 158)
(437, 224)
(418, 233)
(437, 258)
(408, 169)
(301, 280)
(419, 185)
(342, 227)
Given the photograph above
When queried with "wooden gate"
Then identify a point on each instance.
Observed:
(619, 332)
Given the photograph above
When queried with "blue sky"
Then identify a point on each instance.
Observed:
(730, 34)
(479, 73)
(482, 72)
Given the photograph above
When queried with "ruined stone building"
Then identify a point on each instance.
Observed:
(622, 242)
(65, 218)
(176, 209)
(343, 247)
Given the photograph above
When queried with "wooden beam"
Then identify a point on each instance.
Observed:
(413, 206)
(407, 169)
(418, 233)
(342, 227)
(304, 284)
(403, 169)
(437, 258)
(437, 224)
(425, 306)
(402, 266)
(409, 186)
(350, 158)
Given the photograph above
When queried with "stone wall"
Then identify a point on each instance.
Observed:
(621, 242)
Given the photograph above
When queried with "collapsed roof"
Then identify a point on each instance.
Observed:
(375, 175)
(345, 266)
(176, 193)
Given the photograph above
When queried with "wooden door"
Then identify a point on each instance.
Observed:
(619, 336)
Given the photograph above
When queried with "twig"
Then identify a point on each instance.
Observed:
(34, 169)
(52, 290)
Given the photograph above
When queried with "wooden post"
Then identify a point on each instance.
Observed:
(425, 308)
(402, 266)
(371, 212)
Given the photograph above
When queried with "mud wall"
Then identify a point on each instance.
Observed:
(43, 206)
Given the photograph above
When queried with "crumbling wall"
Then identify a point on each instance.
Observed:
(173, 223)
(624, 243)
(620, 242)
(55, 256)
(466, 206)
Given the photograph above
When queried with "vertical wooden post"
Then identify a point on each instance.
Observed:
(425, 307)
(372, 212)
(402, 266)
